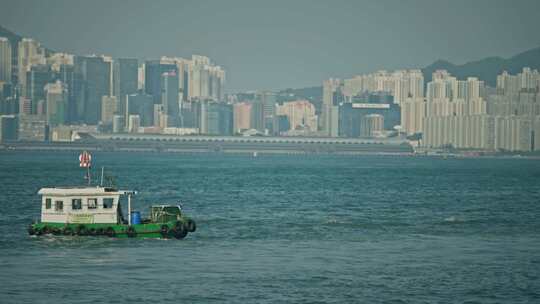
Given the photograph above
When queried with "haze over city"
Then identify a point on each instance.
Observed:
(300, 151)
(283, 44)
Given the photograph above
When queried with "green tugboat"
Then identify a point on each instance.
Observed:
(97, 211)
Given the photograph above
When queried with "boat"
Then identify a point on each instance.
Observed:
(97, 211)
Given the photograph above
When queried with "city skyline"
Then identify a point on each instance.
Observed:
(56, 94)
(300, 50)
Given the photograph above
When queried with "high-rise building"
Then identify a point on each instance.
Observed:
(33, 128)
(154, 70)
(352, 113)
(526, 81)
(118, 124)
(242, 116)
(57, 60)
(6, 90)
(328, 122)
(283, 124)
(141, 104)
(125, 80)
(448, 96)
(507, 133)
(108, 109)
(265, 116)
(205, 80)
(9, 106)
(218, 118)
(30, 53)
(64, 71)
(56, 103)
(9, 128)
(96, 77)
(301, 115)
(41, 108)
(413, 111)
(5, 60)
(134, 122)
(401, 84)
(25, 106)
(36, 79)
(198, 78)
(140, 77)
(160, 118)
(371, 125)
(257, 115)
(170, 97)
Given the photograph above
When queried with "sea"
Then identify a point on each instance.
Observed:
(284, 229)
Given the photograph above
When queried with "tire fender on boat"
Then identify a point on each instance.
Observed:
(191, 225)
(81, 230)
(131, 232)
(164, 231)
(31, 230)
(179, 230)
(67, 231)
(110, 232)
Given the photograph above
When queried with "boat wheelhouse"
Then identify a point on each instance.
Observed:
(88, 205)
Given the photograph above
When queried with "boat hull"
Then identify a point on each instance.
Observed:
(172, 229)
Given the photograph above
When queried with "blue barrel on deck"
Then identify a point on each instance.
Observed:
(135, 217)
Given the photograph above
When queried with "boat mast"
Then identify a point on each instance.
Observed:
(129, 209)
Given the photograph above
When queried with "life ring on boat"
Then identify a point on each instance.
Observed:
(191, 225)
(179, 231)
(164, 231)
(110, 232)
(67, 231)
(131, 232)
(81, 230)
(31, 230)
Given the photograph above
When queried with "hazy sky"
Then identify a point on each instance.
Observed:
(278, 44)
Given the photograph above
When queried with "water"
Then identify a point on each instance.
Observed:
(275, 229)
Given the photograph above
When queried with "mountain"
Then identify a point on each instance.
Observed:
(487, 69)
(14, 38)
(11, 36)
(313, 94)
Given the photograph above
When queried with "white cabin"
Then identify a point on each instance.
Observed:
(85, 205)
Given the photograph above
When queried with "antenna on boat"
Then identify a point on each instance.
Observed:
(102, 170)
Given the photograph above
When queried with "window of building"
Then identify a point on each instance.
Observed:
(76, 204)
(48, 203)
(108, 203)
(92, 203)
(58, 206)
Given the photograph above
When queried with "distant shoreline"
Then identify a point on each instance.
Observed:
(252, 149)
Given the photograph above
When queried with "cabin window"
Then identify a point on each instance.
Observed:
(76, 204)
(92, 203)
(58, 206)
(48, 203)
(108, 203)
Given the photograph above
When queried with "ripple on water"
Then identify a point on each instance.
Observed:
(276, 229)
